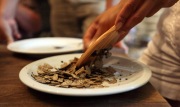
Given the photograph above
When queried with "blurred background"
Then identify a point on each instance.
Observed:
(74, 16)
(140, 35)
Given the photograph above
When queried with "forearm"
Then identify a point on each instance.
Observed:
(8, 8)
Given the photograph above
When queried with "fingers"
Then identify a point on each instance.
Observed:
(169, 3)
(139, 12)
(89, 35)
(99, 32)
(128, 13)
(153, 11)
(14, 27)
(136, 10)
(9, 30)
(5, 32)
(161, 4)
(6, 36)
(16, 32)
(139, 15)
(128, 9)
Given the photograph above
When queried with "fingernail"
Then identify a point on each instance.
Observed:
(118, 25)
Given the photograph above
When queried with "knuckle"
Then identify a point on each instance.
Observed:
(128, 9)
(122, 18)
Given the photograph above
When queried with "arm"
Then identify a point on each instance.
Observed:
(125, 15)
(105, 20)
(8, 26)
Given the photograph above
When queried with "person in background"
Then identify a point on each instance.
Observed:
(15, 19)
(71, 18)
(68, 18)
(163, 53)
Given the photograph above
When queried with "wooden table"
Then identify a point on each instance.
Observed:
(15, 94)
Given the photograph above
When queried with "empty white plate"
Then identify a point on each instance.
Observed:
(46, 45)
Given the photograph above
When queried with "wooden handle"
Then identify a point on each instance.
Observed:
(104, 41)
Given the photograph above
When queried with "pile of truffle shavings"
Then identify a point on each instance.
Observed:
(91, 75)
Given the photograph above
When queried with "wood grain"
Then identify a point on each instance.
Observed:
(15, 94)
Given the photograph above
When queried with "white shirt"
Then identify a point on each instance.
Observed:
(163, 54)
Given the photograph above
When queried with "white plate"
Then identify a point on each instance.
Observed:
(136, 75)
(46, 45)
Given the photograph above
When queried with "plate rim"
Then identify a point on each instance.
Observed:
(85, 92)
(9, 46)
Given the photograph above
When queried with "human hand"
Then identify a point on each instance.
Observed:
(125, 16)
(8, 30)
(101, 24)
(134, 11)
(8, 26)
